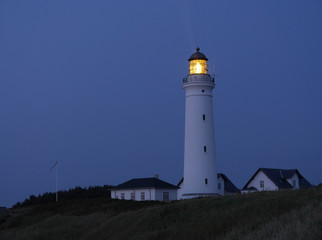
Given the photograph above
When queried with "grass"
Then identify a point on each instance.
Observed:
(266, 215)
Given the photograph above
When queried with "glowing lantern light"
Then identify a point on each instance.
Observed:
(198, 67)
(198, 63)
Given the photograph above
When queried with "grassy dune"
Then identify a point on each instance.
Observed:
(266, 215)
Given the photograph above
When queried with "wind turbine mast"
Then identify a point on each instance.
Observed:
(55, 166)
(57, 182)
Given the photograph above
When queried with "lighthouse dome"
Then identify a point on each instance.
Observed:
(198, 56)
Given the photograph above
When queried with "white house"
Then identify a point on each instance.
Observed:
(143, 189)
(269, 179)
(225, 186)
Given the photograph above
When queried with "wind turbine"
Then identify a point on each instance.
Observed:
(55, 166)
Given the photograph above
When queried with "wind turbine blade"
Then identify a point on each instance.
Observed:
(53, 166)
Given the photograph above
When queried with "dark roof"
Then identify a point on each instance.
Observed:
(279, 177)
(305, 183)
(180, 182)
(229, 186)
(197, 55)
(145, 183)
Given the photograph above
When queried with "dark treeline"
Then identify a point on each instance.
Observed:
(73, 193)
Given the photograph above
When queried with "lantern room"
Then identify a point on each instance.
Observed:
(198, 63)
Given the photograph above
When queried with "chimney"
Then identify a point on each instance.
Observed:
(156, 176)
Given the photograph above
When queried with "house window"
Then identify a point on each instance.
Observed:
(206, 181)
(219, 186)
(204, 117)
(122, 196)
(294, 183)
(202, 90)
(205, 149)
(261, 184)
(133, 196)
(142, 196)
(166, 196)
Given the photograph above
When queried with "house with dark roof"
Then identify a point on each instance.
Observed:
(270, 179)
(142, 189)
(225, 186)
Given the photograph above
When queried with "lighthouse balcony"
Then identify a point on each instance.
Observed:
(197, 79)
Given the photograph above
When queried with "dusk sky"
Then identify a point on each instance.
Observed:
(97, 86)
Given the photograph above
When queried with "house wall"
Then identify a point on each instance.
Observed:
(268, 184)
(221, 181)
(159, 194)
(180, 191)
(148, 193)
(296, 179)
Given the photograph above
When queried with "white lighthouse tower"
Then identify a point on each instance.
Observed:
(200, 175)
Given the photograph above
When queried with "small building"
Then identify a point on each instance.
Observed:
(225, 186)
(270, 179)
(143, 189)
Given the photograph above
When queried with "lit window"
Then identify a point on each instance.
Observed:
(122, 196)
(206, 181)
(204, 117)
(261, 184)
(133, 196)
(219, 186)
(142, 196)
(166, 196)
(205, 149)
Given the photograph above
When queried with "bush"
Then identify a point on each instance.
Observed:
(74, 193)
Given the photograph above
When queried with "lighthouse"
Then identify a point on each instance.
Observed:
(200, 175)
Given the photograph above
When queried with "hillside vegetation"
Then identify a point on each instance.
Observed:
(73, 193)
(266, 215)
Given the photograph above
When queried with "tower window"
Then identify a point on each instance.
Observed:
(204, 148)
(206, 181)
(204, 117)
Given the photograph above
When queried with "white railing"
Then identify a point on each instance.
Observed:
(192, 79)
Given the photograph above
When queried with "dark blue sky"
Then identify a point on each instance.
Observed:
(96, 85)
